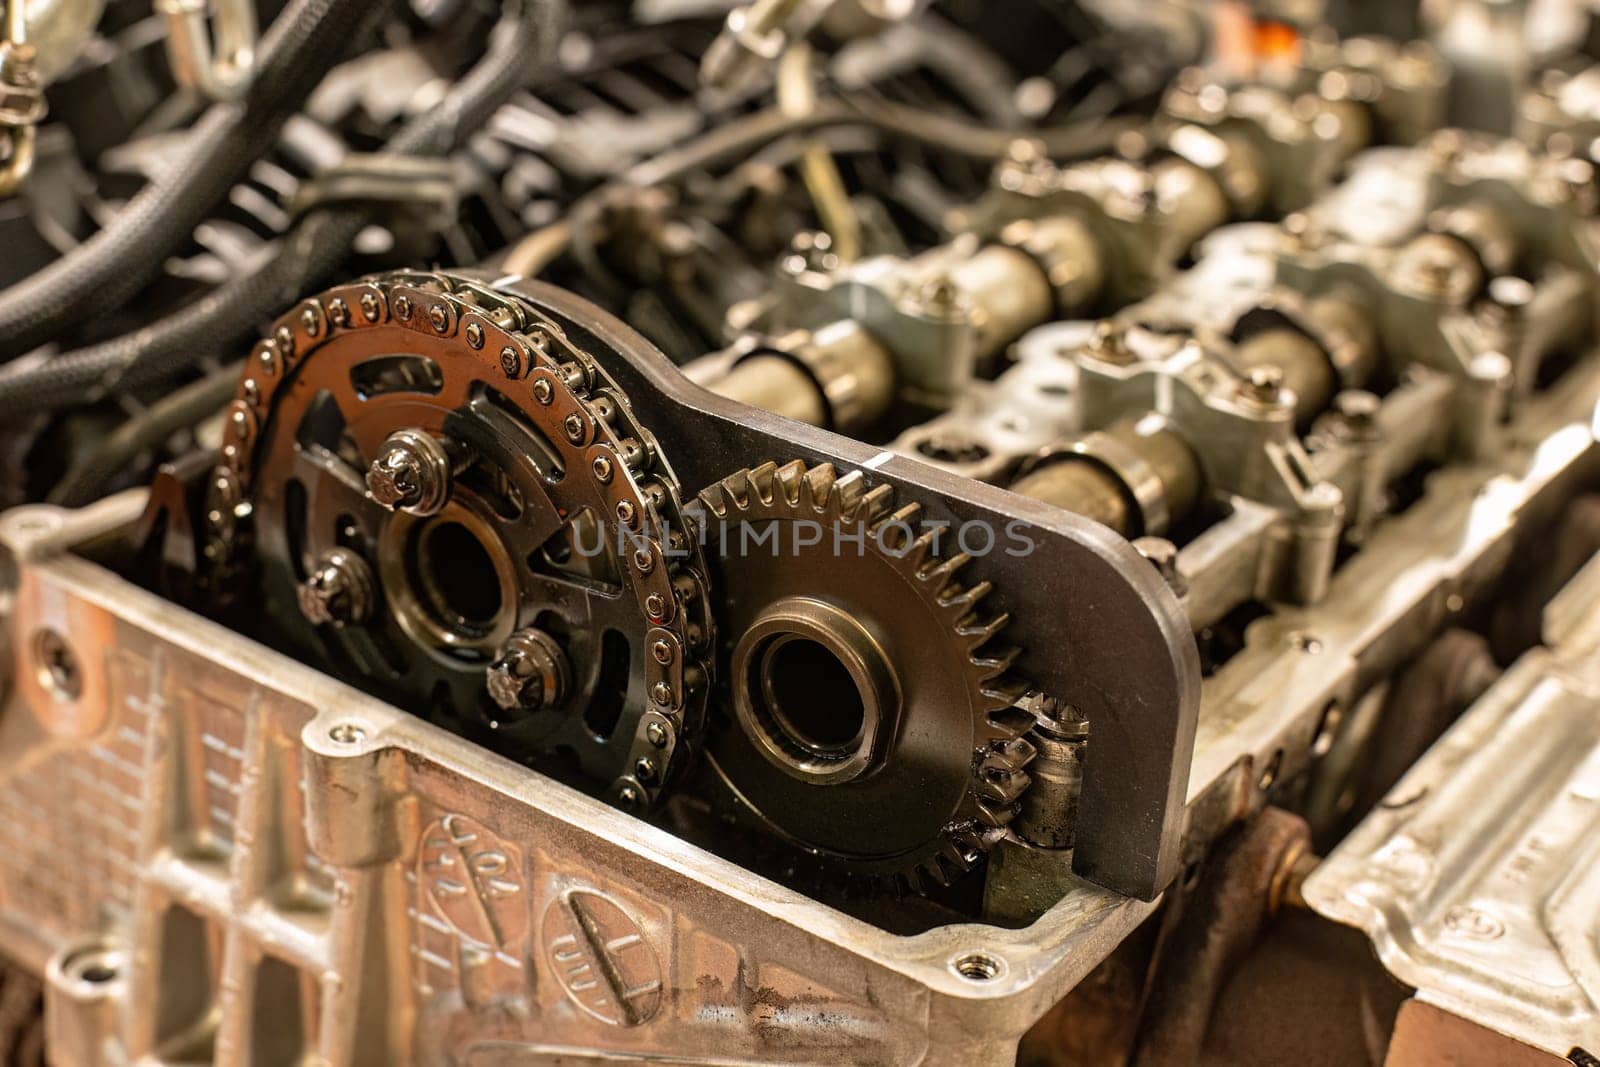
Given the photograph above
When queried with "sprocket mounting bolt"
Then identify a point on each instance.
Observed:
(530, 673)
(339, 591)
(411, 473)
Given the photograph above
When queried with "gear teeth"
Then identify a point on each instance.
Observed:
(716, 499)
(996, 815)
(815, 486)
(891, 530)
(1004, 693)
(964, 599)
(940, 573)
(953, 858)
(1000, 781)
(997, 775)
(921, 551)
(760, 483)
(943, 871)
(995, 662)
(847, 494)
(875, 503)
(979, 630)
(790, 480)
(1007, 719)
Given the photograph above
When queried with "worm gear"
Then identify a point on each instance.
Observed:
(867, 714)
(432, 480)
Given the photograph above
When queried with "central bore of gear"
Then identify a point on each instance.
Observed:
(449, 581)
(810, 695)
(814, 691)
(457, 576)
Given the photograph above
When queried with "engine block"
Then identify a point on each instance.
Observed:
(838, 532)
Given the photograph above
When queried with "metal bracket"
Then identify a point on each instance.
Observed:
(22, 104)
(221, 70)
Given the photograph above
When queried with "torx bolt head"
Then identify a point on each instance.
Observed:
(411, 473)
(530, 673)
(339, 591)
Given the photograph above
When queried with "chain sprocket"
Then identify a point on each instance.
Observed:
(869, 713)
(563, 513)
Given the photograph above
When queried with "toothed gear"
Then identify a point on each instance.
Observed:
(537, 462)
(949, 774)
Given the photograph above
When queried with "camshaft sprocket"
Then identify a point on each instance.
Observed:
(867, 715)
(559, 532)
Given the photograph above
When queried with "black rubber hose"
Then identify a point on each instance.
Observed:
(178, 410)
(306, 257)
(100, 275)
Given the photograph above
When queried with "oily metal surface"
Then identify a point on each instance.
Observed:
(421, 353)
(365, 887)
(1132, 663)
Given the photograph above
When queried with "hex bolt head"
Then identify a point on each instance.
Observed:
(339, 591)
(1109, 344)
(411, 473)
(1358, 409)
(530, 673)
(1264, 386)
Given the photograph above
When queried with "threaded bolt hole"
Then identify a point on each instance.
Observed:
(59, 669)
(978, 967)
(348, 733)
(99, 972)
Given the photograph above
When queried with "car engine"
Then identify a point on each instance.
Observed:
(799, 531)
